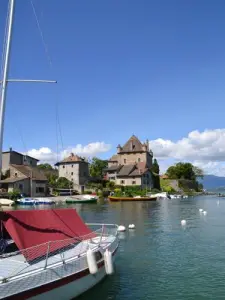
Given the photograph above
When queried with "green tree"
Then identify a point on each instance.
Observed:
(184, 171)
(63, 183)
(155, 166)
(97, 166)
(198, 172)
(45, 167)
(52, 179)
(110, 185)
(155, 171)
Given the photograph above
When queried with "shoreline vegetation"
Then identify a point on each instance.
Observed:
(181, 178)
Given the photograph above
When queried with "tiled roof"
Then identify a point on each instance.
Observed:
(132, 145)
(114, 158)
(71, 159)
(13, 179)
(138, 172)
(112, 168)
(126, 170)
(29, 171)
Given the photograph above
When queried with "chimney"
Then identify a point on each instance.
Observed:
(147, 143)
(10, 149)
(71, 154)
(119, 148)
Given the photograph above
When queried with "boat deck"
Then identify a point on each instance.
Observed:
(17, 265)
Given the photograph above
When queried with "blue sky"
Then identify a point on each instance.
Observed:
(152, 68)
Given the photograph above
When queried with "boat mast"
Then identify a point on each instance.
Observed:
(5, 80)
(5, 74)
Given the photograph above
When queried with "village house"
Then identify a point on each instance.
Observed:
(22, 174)
(131, 165)
(75, 169)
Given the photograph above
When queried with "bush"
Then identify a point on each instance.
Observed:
(155, 191)
(15, 194)
(88, 192)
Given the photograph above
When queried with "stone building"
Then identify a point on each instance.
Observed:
(13, 157)
(75, 169)
(131, 165)
(23, 174)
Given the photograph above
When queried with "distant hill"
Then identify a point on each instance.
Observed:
(213, 182)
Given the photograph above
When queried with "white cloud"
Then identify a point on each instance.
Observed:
(205, 149)
(46, 155)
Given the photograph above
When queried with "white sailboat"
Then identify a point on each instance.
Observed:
(49, 254)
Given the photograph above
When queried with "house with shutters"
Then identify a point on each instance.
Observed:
(131, 165)
(76, 170)
(22, 174)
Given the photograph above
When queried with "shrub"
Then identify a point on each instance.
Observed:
(88, 192)
(15, 194)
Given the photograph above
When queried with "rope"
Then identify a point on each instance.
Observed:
(58, 127)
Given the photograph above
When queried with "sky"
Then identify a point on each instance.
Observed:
(155, 69)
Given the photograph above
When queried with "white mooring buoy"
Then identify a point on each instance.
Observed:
(131, 226)
(121, 228)
(200, 210)
(183, 222)
(204, 212)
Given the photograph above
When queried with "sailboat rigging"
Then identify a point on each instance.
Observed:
(49, 254)
(5, 80)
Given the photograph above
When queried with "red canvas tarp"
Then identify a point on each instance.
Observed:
(29, 228)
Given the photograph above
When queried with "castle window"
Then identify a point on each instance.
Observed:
(71, 173)
(63, 167)
(125, 161)
(134, 182)
(122, 181)
(139, 160)
(72, 166)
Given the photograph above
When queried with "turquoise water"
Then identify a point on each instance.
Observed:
(161, 259)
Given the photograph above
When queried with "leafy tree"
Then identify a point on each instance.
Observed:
(198, 172)
(184, 171)
(45, 167)
(97, 166)
(110, 185)
(155, 170)
(52, 179)
(63, 183)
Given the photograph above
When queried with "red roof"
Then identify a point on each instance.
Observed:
(29, 228)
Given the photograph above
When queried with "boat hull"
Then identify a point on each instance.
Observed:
(73, 289)
(116, 199)
(92, 200)
(67, 288)
(25, 203)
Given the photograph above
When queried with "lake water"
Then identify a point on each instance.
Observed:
(161, 259)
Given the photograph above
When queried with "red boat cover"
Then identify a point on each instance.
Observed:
(29, 228)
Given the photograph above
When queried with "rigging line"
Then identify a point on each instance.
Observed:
(41, 34)
(51, 65)
(22, 139)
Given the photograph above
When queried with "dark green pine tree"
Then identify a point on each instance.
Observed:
(156, 178)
